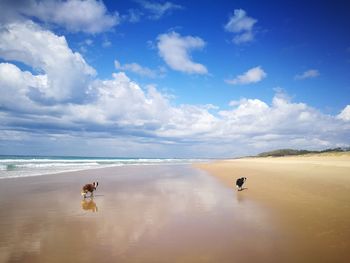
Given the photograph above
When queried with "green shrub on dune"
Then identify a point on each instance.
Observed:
(289, 152)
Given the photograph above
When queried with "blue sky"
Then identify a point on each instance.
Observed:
(173, 78)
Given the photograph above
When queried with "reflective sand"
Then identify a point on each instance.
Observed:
(139, 214)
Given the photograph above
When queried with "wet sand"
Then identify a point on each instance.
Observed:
(164, 213)
(309, 196)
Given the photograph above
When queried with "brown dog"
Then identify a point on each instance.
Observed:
(89, 188)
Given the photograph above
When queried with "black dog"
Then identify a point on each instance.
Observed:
(240, 182)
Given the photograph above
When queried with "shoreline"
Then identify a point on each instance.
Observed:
(50, 169)
(309, 195)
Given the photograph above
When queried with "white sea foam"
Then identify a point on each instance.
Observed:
(13, 166)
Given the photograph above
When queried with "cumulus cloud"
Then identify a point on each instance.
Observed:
(282, 124)
(242, 26)
(64, 74)
(137, 69)
(158, 10)
(308, 74)
(15, 86)
(59, 101)
(253, 75)
(146, 116)
(345, 114)
(89, 16)
(122, 103)
(118, 107)
(175, 50)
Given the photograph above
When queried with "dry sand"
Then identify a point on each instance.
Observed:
(309, 195)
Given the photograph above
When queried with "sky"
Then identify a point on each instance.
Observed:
(186, 79)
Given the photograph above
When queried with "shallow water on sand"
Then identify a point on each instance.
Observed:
(138, 214)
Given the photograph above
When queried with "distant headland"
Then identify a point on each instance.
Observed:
(291, 152)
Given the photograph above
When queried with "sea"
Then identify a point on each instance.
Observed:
(24, 166)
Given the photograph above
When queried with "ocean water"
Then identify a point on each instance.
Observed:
(23, 166)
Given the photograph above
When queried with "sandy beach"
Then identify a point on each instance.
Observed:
(309, 195)
(165, 213)
(293, 210)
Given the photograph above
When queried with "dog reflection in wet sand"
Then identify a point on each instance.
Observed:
(89, 205)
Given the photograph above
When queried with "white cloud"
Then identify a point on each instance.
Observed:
(145, 116)
(89, 42)
(89, 16)
(253, 75)
(308, 74)
(345, 114)
(138, 69)
(121, 103)
(150, 9)
(15, 86)
(158, 10)
(60, 99)
(66, 73)
(283, 124)
(243, 38)
(242, 25)
(132, 16)
(106, 43)
(175, 50)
